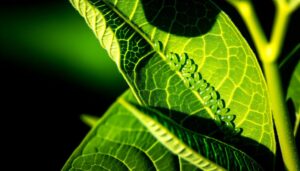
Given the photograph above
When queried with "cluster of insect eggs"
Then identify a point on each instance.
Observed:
(193, 79)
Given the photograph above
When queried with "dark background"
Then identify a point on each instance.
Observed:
(52, 70)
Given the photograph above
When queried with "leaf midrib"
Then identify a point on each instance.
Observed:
(163, 57)
(146, 119)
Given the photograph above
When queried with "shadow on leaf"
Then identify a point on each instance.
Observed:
(189, 18)
(207, 127)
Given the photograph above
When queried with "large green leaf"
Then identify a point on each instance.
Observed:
(144, 38)
(128, 145)
(120, 142)
(202, 151)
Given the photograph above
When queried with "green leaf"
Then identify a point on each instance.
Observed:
(202, 151)
(293, 94)
(137, 143)
(169, 50)
(120, 142)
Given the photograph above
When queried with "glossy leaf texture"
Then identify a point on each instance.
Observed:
(188, 60)
(139, 143)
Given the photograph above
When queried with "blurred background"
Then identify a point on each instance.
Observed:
(52, 70)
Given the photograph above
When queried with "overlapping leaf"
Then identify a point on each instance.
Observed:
(121, 142)
(202, 151)
(128, 145)
(128, 30)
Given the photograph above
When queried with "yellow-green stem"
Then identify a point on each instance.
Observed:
(281, 118)
(282, 17)
(245, 9)
(294, 4)
(269, 53)
(280, 113)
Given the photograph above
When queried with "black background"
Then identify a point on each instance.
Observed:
(40, 109)
(40, 105)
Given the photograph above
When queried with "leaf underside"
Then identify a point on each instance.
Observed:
(132, 140)
(126, 145)
(130, 30)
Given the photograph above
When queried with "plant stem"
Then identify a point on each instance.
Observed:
(269, 52)
(280, 113)
(281, 117)
(246, 11)
(294, 4)
(282, 17)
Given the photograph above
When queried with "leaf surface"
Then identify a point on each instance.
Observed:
(137, 144)
(120, 142)
(164, 49)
